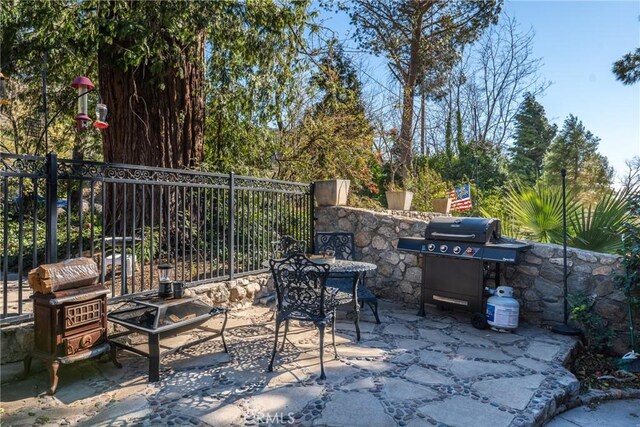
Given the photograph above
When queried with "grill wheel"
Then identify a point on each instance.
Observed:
(479, 321)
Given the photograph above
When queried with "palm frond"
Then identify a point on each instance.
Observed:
(538, 210)
(599, 227)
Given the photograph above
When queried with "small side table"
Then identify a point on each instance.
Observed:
(158, 318)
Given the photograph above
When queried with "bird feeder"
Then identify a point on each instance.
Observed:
(83, 85)
(101, 117)
(4, 97)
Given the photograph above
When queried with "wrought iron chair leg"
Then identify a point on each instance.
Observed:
(284, 338)
(333, 334)
(374, 307)
(322, 375)
(275, 347)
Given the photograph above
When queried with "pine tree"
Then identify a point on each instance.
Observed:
(533, 136)
(576, 150)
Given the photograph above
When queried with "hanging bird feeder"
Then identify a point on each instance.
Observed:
(101, 117)
(83, 85)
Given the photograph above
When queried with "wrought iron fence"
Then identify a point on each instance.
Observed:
(131, 218)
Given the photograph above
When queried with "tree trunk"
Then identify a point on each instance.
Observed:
(154, 120)
(410, 79)
(149, 125)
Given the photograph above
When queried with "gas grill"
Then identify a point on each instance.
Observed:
(461, 257)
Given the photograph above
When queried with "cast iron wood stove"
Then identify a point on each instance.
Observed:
(69, 325)
(461, 257)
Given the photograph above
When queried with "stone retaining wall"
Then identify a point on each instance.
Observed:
(17, 340)
(537, 282)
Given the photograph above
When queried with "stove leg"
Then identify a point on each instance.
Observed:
(27, 366)
(154, 358)
(53, 376)
(113, 355)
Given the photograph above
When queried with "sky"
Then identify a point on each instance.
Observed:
(578, 42)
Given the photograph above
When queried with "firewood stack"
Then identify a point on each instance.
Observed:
(69, 274)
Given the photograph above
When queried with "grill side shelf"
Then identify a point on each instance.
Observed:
(412, 244)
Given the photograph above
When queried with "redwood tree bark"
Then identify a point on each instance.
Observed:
(155, 120)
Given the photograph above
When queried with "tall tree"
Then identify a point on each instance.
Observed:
(576, 150)
(334, 137)
(627, 69)
(255, 94)
(533, 135)
(421, 40)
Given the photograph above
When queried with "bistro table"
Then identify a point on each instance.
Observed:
(359, 270)
(162, 317)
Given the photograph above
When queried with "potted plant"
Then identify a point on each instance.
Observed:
(398, 199)
(398, 192)
(331, 192)
(442, 205)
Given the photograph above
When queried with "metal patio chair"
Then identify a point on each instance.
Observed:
(286, 246)
(344, 248)
(303, 295)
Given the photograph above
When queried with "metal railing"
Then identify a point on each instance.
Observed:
(131, 218)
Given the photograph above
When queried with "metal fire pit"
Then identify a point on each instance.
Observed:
(461, 257)
(158, 318)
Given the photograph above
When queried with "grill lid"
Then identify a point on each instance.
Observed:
(477, 230)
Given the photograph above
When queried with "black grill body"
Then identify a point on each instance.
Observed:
(461, 257)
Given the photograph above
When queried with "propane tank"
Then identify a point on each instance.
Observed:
(502, 310)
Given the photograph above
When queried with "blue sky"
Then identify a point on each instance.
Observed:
(578, 42)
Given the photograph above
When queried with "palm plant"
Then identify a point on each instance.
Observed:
(537, 210)
(599, 227)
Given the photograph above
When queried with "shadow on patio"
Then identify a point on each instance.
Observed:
(406, 371)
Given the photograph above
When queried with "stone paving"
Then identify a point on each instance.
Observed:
(407, 371)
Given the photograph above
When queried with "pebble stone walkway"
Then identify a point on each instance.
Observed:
(407, 371)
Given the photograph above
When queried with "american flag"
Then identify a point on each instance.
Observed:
(461, 198)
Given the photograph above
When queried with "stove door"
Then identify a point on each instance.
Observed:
(453, 283)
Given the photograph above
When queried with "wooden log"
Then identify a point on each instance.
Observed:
(68, 274)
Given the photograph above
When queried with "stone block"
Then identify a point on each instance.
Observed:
(392, 257)
(560, 261)
(585, 256)
(546, 288)
(578, 284)
(532, 259)
(236, 294)
(582, 267)
(603, 270)
(610, 310)
(413, 274)
(344, 225)
(379, 243)
(529, 270)
(551, 273)
(362, 239)
(543, 251)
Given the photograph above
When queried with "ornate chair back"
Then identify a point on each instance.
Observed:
(300, 287)
(287, 245)
(341, 243)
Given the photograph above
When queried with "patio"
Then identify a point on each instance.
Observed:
(407, 371)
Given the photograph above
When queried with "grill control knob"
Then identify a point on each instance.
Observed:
(431, 247)
(443, 248)
(456, 250)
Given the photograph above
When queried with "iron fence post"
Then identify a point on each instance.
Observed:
(51, 224)
(312, 216)
(232, 246)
